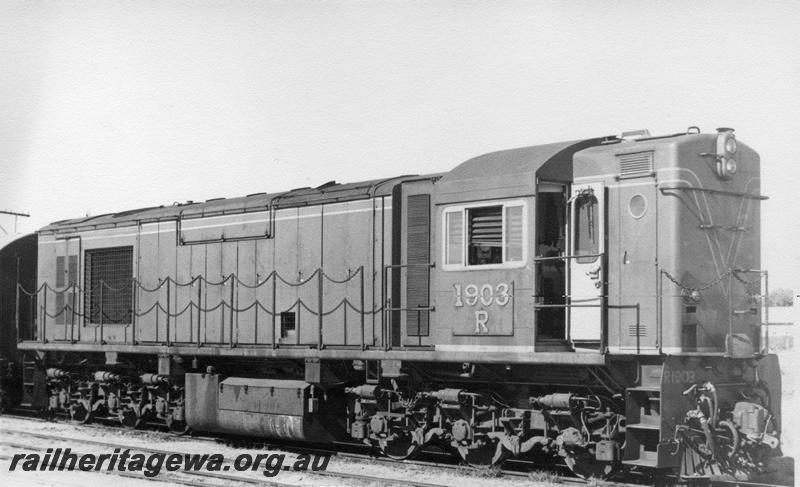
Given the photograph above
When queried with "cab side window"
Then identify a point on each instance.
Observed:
(485, 235)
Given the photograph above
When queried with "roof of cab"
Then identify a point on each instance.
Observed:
(512, 172)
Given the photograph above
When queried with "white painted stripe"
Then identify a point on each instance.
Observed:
(598, 177)
(667, 350)
(484, 348)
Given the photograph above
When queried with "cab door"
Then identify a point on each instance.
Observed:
(587, 246)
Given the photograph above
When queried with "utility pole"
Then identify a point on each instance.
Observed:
(16, 216)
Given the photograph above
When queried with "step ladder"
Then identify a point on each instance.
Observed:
(28, 381)
(643, 429)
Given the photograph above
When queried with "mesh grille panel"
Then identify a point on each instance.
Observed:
(108, 277)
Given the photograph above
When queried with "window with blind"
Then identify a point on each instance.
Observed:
(489, 235)
(485, 235)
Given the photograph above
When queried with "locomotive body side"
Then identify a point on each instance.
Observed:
(591, 302)
(192, 270)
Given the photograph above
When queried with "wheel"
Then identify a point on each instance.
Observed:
(177, 427)
(484, 453)
(586, 466)
(79, 413)
(401, 448)
(129, 419)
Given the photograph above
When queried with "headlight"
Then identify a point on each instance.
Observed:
(730, 145)
(726, 148)
(730, 166)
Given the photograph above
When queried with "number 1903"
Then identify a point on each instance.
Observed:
(486, 294)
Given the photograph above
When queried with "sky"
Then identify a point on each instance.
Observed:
(113, 105)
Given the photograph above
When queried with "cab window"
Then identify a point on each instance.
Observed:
(485, 235)
(587, 228)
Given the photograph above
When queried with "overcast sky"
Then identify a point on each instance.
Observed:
(107, 106)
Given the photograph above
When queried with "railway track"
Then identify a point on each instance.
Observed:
(177, 476)
(432, 460)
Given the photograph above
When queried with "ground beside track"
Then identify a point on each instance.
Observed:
(460, 477)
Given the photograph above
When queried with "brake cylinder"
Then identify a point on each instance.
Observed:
(57, 374)
(101, 376)
(366, 391)
(553, 401)
(155, 379)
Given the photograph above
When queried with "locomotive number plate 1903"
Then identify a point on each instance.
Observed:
(479, 297)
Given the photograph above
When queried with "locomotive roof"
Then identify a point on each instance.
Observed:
(330, 192)
(511, 172)
(491, 175)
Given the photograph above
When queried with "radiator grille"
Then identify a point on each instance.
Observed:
(635, 165)
(108, 294)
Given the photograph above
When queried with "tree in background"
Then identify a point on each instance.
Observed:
(781, 297)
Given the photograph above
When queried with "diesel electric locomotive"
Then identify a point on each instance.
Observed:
(595, 303)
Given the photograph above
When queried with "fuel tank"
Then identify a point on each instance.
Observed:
(268, 408)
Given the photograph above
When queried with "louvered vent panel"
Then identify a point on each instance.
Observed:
(635, 165)
(60, 312)
(73, 269)
(418, 252)
(641, 328)
(61, 278)
(63, 309)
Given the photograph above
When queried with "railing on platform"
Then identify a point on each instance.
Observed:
(94, 313)
(388, 308)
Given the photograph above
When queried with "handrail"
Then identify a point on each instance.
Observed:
(565, 257)
(386, 301)
(178, 303)
(601, 296)
(716, 191)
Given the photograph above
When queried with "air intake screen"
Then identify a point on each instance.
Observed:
(635, 165)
